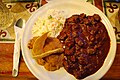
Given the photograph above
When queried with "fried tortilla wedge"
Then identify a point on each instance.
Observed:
(39, 44)
(45, 54)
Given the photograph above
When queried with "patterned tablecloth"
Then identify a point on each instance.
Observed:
(112, 11)
(25, 9)
(18, 10)
(21, 9)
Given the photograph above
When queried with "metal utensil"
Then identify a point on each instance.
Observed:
(18, 33)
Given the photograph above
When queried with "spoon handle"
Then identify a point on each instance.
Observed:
(16, 56)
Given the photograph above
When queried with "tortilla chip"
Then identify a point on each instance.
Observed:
(55, 51)
(39, 44)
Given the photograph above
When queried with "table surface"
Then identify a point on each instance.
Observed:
(6, 61)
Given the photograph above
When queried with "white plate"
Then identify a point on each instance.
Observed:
(70, 7)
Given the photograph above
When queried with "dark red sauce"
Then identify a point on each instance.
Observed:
(86, 44)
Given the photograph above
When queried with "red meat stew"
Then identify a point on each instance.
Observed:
(86, 44)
